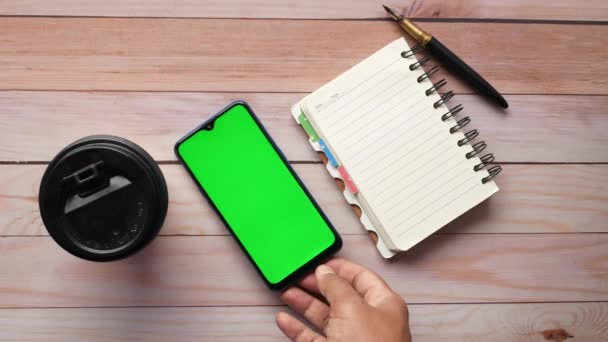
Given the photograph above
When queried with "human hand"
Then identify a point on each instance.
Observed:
(362, 307)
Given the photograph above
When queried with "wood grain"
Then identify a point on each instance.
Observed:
(313, 9)
(504, 271)
(188, 213)
(280, 55)
(435, 322)
(535, 129)
(211, 270)
(532, 199)
(509, 322)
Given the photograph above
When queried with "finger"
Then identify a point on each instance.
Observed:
(310, 283)
(350, 271)
(371, 286)
(314, 310)
(335, 288)
(296, 330)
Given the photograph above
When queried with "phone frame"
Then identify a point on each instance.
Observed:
(307, 267)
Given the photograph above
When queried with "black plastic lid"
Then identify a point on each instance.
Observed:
(103, 198)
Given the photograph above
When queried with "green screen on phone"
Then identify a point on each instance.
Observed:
(268, 210)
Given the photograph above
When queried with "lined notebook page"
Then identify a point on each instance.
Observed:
(408, 167)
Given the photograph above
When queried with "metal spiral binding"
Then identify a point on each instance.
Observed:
(436, 87)
(444, 99)
(493, 172)
(413, 51)
(469, 136)
(452, 112)
(485, 160)
(428, 74)
(460, 124)
(420, 63)
(477, 149)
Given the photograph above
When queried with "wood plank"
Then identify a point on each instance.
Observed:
(188, 214)
(535, 129)
(313, 9)
(453, 322)
(280, 55)
(153, 120)
(212, 271)
(533, 199)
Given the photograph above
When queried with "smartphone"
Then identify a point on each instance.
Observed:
(250, 184)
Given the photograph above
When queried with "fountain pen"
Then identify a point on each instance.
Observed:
(447, 57)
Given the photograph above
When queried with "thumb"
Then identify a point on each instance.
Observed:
(333, 287)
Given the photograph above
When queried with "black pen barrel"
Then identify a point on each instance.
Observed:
(458, 66)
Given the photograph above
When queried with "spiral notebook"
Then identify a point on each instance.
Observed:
(408, 161)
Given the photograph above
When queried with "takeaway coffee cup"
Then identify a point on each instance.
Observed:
(103, 198)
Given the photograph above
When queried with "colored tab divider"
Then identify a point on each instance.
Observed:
(314, 137)
(328, 154)
(346, 178)
(312, 134)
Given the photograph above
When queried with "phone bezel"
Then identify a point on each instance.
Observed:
(310, 265)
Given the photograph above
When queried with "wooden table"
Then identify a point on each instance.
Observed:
(530, 264)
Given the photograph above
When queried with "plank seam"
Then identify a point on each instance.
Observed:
(314, 162)
(282, 305)
(419, 19)
(341, 234)
(247, 92)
